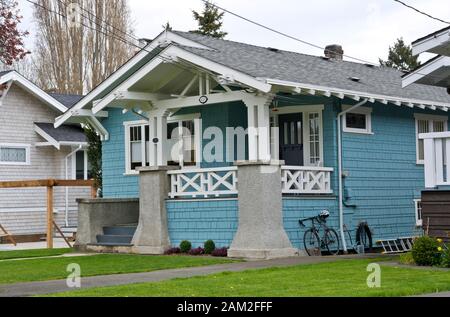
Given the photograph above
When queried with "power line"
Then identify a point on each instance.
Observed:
(421, 12)
(282, 33)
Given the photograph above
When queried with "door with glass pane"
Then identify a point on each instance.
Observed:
(181, 143)
(291, 139)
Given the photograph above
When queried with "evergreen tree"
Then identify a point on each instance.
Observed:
(401, 57)
(210, 21)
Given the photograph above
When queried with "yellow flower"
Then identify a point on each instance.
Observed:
(439, 240)
(439, 249)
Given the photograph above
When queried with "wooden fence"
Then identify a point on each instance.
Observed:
(50, 184)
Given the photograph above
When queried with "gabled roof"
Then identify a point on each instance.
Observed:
(294, 67)
(64, 135)
(14, 76)
(68, 100)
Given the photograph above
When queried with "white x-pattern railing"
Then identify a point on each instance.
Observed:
(306, 180)
(212, 182)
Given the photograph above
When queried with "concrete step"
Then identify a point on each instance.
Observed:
(114, 239)
(119, 230)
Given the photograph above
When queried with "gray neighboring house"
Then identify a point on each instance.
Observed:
(31, 148)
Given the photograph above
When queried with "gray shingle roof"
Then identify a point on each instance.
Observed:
(67, 100)
(305, 69)
(65, 133)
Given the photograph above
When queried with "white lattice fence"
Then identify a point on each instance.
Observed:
(306, 180)
(204, 182)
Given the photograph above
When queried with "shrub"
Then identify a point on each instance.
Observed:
(407, 258)
(210, 246)
(197, 251)
(185, 246)
(222, 252)
(173, 251)
(445, 257)
(425, 252)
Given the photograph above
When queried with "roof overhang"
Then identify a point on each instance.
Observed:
(15, 77)
(435, 72)
(316, 90)
(437, 43)
(55, 143)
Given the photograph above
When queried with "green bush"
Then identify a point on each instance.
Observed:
(425, 252)
(407, 258)
(445, 258)
(210, 246)
(185, 246)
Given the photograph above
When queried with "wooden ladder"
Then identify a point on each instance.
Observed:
(7, 235)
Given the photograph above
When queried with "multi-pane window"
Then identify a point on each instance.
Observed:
(314, 138)
(181, 133)
(138, 139)
(12, 154)
(427, 124)
(82, 167)
(418, 209)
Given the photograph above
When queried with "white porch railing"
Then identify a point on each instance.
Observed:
(306, 180)
(203, 182)
(436, 159)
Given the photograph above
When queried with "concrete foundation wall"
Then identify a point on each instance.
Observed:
(94, 214)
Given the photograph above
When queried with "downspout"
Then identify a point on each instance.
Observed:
(67, 188)
(340, 164)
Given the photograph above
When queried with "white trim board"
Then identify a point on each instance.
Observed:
(425, 70)
(33, 89)
(432, 41)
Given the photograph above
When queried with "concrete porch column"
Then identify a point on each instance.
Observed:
(152, 235)
(261, 233)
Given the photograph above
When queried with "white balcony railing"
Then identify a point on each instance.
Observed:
(436, 158)
(205, 183)
(216, 182)
(306, 180)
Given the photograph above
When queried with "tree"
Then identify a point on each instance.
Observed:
(401, 57)
(11, 38)
(94, 154)
(167, 26)
(79, 43)
(210, 21)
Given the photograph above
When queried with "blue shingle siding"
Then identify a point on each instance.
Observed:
(115, 183)
(202, 220)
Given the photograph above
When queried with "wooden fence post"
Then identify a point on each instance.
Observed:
(50, 216)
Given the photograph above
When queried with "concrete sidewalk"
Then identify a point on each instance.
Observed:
(48, 287)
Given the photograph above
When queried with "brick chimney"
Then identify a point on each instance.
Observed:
(334, 51)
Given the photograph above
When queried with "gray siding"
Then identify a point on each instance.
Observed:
(23, 211)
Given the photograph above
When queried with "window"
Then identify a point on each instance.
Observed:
(137, 140)
(427, 124)
(418, 208)
(186, 140)
(314, 139)
(81, 167)
(14, 154)
(358, 120)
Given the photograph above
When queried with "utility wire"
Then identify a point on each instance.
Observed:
(421, 12)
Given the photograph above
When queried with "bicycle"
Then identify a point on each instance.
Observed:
(311, 240)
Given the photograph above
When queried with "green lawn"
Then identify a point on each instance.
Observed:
(24, 254)
(55, 268)
(342, 278)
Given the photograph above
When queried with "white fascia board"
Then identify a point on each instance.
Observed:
(33, 89)
(423, 71)
(220, 69)
(351, 94)
(164, 37)
(133, 79)
(429, 43)
(47, 137)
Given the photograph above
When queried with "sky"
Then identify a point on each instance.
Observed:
(365, 28)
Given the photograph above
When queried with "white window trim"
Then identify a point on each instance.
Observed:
(305, 111)
(27, 148)
(74, 165)
(419, 222)
(361, 110)
(127, 124)
(429, 118)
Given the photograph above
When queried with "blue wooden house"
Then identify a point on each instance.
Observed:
(339, 135)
